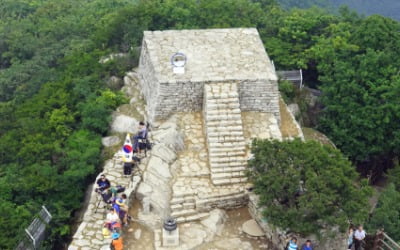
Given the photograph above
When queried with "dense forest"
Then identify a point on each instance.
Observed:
(55, 103)
(389, 8)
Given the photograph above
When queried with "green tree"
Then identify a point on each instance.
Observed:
(387, 213)
(306, 186)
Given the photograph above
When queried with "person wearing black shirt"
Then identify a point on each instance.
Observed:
(103, 183)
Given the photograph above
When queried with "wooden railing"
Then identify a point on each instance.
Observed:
(384, 242)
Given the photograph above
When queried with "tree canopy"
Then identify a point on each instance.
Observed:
(305, 186)
(55, 104)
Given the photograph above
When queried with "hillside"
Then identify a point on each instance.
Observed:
(389, 8)
(56, 99)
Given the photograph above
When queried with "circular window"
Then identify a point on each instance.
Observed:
(178, 59)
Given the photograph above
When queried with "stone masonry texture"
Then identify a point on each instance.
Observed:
(213, 55)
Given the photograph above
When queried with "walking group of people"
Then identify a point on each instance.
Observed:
(356, 238)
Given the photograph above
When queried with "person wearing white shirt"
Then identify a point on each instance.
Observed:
(111, 219)
(359, 236)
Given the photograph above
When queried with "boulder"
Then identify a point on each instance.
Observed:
(159, 167)
(163, 152)
(128, 90)
(215, 222)
(252, 228)
(114, 83)
(169, 134)
(123, 124)
(131, 79)
(144, 190)
(112, 57)
(110, 141)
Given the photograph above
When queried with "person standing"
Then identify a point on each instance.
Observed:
(292, 245)
(142, 134)
(350, 238)
(359, 236)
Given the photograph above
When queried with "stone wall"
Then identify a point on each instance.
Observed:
(149, 84)
(178, 97)
(279, 237)
(213, 56)
(261, 95)
(166, 98)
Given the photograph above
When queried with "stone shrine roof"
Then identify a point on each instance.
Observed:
(212, 54)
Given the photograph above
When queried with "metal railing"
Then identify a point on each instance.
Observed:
(35, 232)
(294, 76)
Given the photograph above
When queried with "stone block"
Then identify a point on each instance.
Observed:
(170, 239)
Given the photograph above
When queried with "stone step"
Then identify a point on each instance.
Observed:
(227, 144)
(178, 199)
(219, 126)
(222, 93)
(239, 153)
(222, 139)
(218, 100)
(183, 195)
(223, 117)
(229, 181)
(225, 133)
(183, 213)
(220, 197)
(226, 159)
(231, 149)
(221, 110)
(227, 175)
(183, 206)
(194, 217)
(228, 164)
(215, 106)
(228, 169)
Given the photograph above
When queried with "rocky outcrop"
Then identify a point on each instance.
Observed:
(160, 168)
(110, 141)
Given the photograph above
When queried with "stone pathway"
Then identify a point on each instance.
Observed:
(224, 131)
(89, 234)
(260, 125)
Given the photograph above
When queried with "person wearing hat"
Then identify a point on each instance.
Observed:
(116, 242)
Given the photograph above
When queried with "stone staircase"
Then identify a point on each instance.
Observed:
(201, 196)
(194, 194)
(224, 132)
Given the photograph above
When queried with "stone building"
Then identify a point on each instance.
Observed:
(212, 56)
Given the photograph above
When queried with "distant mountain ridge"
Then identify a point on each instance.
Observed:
(388, 8)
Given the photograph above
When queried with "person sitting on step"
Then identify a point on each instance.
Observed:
(112, 219)
(142, 134)
(103, 184)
